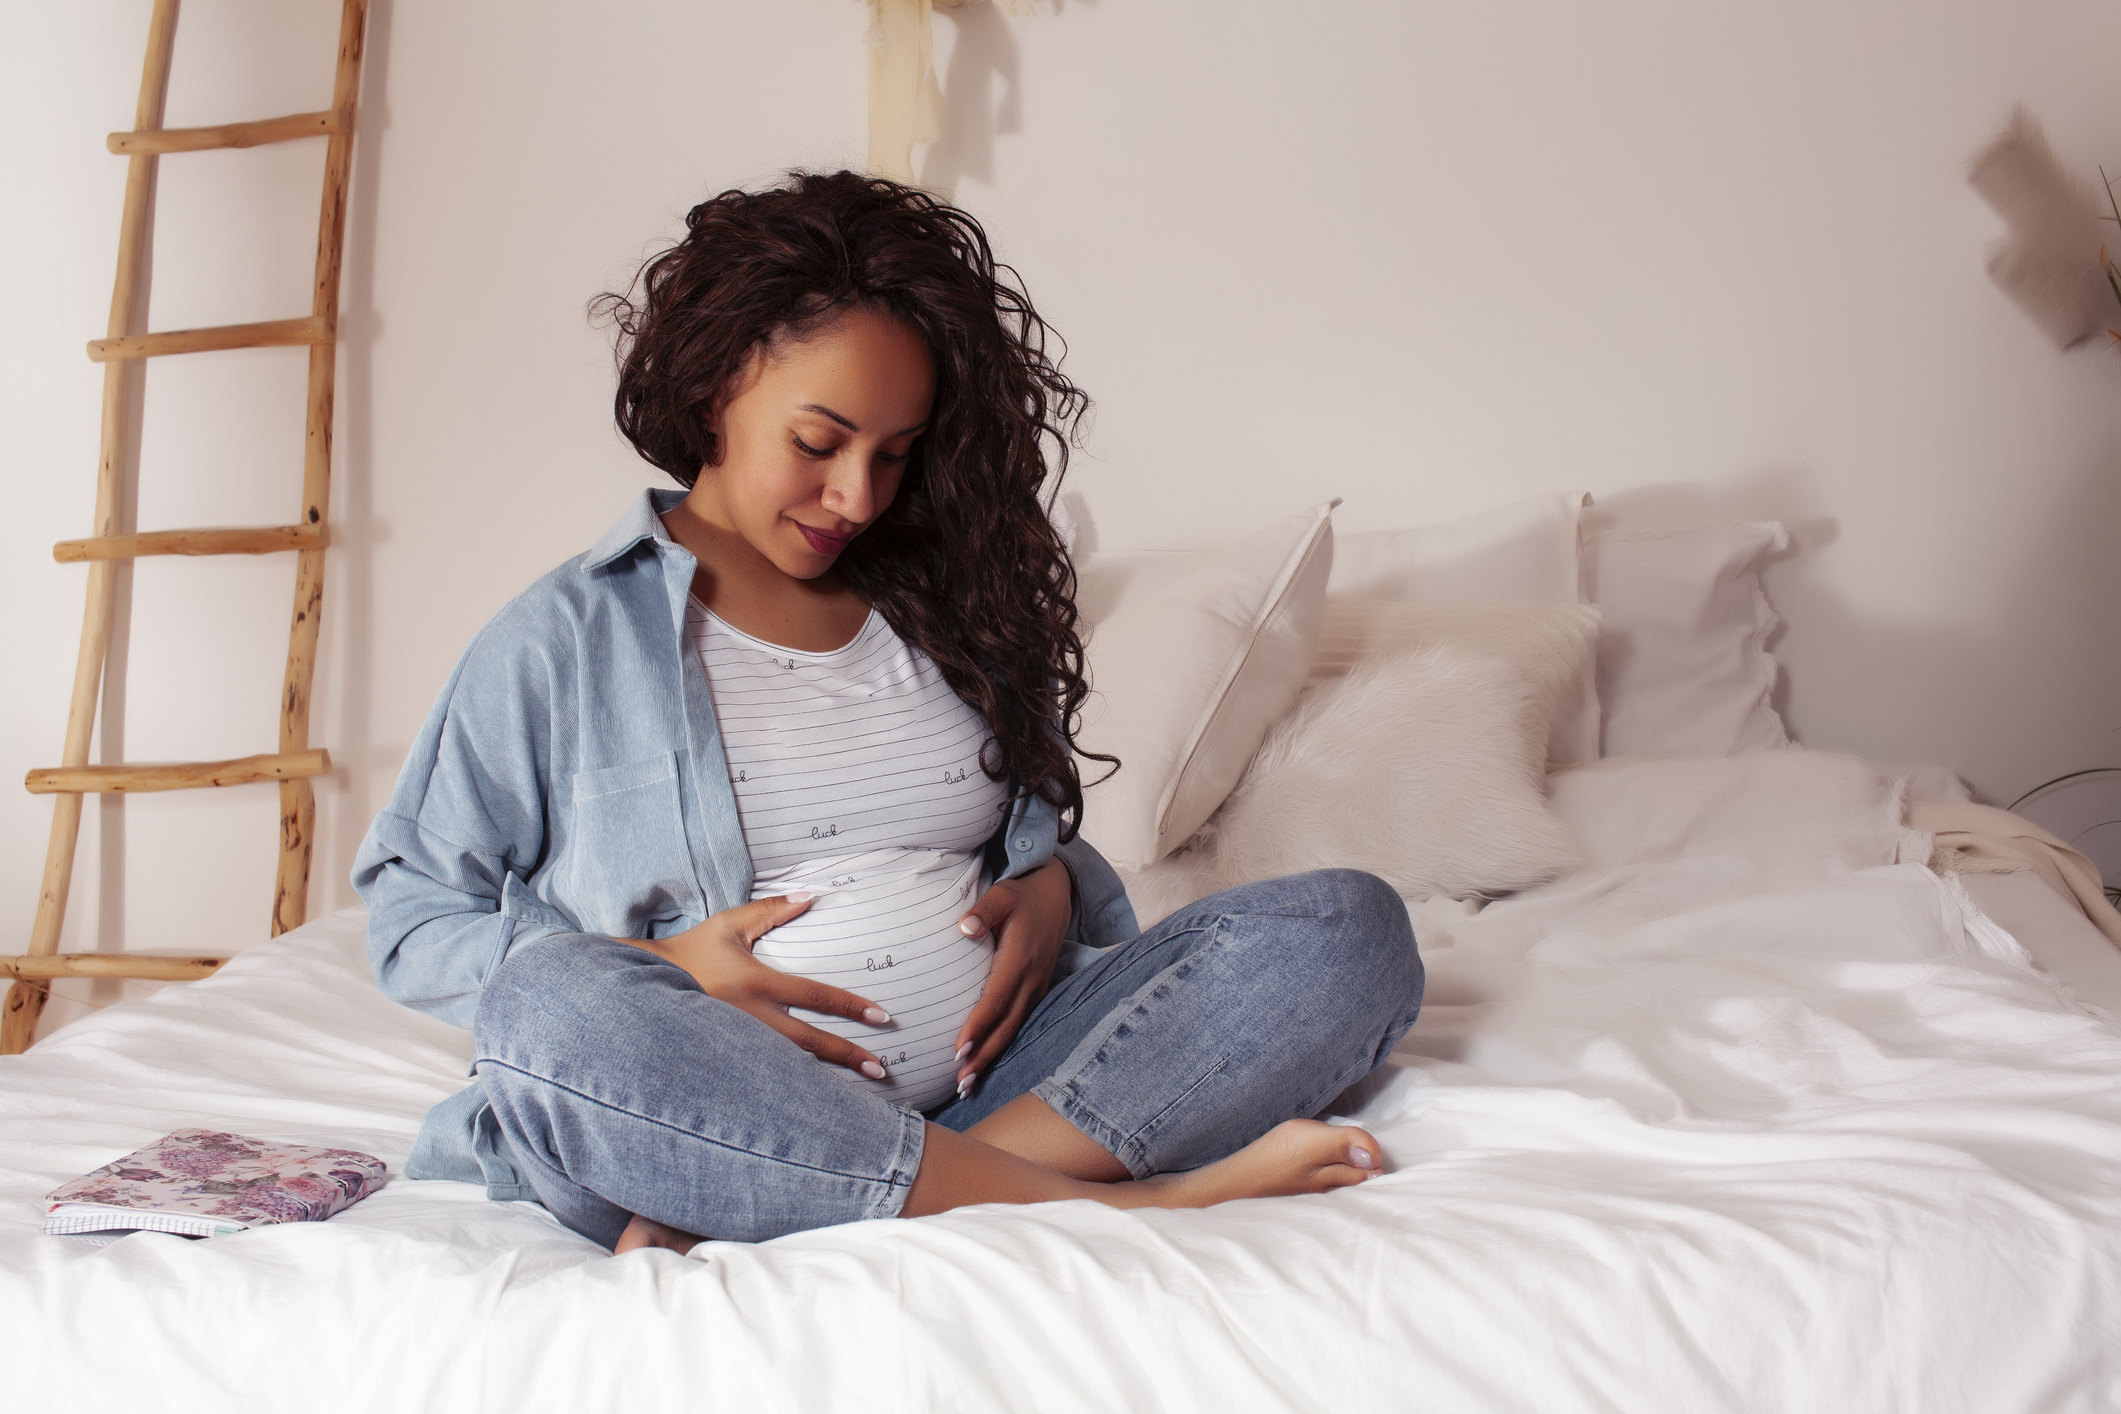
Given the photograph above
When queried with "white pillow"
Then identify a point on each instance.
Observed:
(1683, 666)
(1553, 645)
(1527, 551)
(1427, 769)
(1523, 551)
(1192, 657)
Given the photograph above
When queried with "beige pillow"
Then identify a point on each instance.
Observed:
(1415, 753)
(1552, 645)
(1193, 655)
(1426, 768)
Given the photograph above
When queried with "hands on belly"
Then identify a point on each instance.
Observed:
(718, 955)
(1028, 919)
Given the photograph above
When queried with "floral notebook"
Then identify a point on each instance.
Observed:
(199, 1183)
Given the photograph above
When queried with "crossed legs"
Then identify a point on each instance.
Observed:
(1176, 1071)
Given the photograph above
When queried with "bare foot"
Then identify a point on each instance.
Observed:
(647, 1232)
(1299, 1156)
(1296, 1156)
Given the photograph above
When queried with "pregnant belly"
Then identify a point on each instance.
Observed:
(884, 926)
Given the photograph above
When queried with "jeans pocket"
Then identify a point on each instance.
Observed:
(630, 865)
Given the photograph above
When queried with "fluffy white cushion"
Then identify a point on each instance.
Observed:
(1552, 645)
(1192, 657)
(1427, 768)
(1683, 666)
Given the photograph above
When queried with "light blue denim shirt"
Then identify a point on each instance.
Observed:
(570, 779)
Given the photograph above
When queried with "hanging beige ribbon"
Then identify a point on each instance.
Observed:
(905, 101)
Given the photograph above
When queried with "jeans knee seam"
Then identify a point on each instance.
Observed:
(1130, 1148)
(1075, 1004)
(1184, 1095)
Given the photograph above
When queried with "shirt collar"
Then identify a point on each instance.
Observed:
(643, 521)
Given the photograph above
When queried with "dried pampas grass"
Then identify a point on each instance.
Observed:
(2053, 262)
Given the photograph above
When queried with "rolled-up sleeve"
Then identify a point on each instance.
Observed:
(1103, 915)
(444, 868)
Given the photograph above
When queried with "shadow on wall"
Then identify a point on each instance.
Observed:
(984, 55)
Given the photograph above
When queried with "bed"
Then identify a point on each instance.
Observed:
(1733, 1101)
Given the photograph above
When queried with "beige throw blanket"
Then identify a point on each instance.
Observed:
(1980, 839)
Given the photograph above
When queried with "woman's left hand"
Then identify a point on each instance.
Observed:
(1027, 919)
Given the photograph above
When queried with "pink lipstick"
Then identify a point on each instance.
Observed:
(822, 543)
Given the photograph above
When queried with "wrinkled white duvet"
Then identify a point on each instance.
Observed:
(1745, 1116)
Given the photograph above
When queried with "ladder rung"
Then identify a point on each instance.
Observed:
(287, 129)
(272, 332)
(244, 770)
(108, 964)
(255, 540)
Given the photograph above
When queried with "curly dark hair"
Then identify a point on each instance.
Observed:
(964, 564)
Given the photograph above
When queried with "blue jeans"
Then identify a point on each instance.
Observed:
(622, 1088)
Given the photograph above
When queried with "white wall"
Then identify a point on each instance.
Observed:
(1427, 257)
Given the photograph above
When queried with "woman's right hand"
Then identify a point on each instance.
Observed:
(718, 955)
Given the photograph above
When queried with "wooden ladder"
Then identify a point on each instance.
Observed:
(295, 761)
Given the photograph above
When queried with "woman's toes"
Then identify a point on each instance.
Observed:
(1315, 1156)
(1362, 1151)
(1344, 1153)
(647, 1232)
(635, 1237)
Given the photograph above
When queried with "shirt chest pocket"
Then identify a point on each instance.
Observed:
(631, 867)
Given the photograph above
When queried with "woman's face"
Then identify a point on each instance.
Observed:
(815, 439)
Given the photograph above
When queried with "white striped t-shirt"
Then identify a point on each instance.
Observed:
(857, 778)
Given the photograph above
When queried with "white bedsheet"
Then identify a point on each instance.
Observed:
(1745, 1117)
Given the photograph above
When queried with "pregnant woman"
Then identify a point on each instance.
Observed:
(745, 843)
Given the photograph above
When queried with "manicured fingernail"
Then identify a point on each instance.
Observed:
(965, 1084)
(801, 897)
(972, 925)
(1360, 1157)
(877, 1016)
(872, 1070)
(962, 1052)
